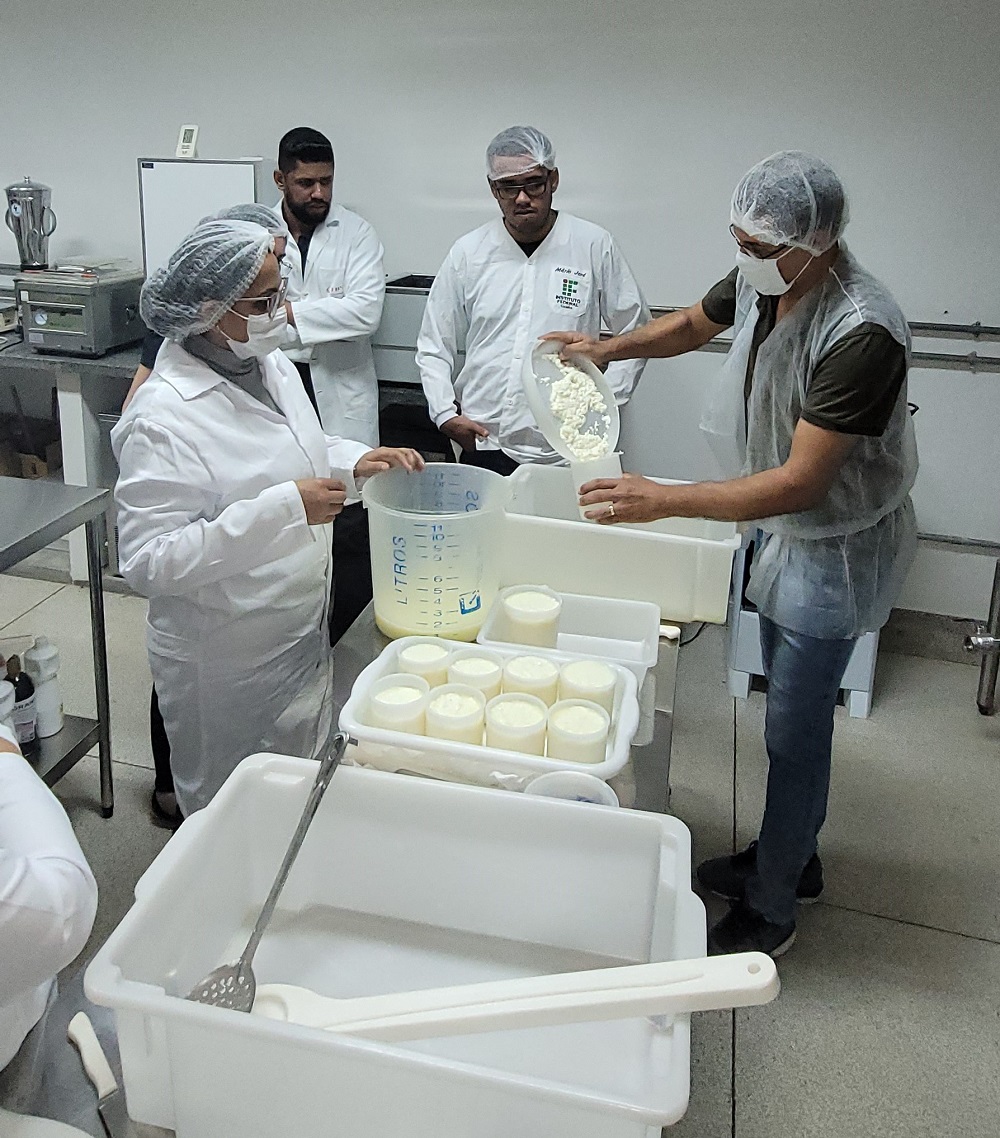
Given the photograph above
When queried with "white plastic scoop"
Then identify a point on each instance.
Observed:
(539, 376)
(667, 988)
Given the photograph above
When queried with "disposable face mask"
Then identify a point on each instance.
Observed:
(264, 335)
(764, 276)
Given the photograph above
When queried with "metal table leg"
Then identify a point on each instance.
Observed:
(986, 640)
(991, 660)
(652, 762)
(96, 584)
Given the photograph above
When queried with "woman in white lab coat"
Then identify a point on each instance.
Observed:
(48, 900)
(227, 487)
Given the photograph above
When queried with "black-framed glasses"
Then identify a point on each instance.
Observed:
(533, 187)
(264, 305)
(753, 249)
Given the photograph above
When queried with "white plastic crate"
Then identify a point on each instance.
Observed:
(682, 565)
(402, 884)
(627, 632)
(484, 766)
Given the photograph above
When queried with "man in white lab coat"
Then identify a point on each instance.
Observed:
(336, 288)
(500, 288)
(48, 900)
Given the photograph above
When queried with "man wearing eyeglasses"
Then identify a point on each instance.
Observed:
(809, 420)
(336, 288)
(500, 288)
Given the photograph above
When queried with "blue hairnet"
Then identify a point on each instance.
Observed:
(212, 267)
(517, 150)
(791, 198)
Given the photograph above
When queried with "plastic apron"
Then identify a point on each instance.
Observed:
(832, 585)
(221, 702)
(723, 417)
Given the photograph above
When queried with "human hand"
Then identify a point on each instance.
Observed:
(383, 458)
(464, 431)
(630, 498)
(577, 344)
(323, 499)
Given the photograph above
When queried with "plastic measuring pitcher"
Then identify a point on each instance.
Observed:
(435, 537)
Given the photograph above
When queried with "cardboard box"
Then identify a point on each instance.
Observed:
(34, 467)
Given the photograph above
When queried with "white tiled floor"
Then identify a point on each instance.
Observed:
(887, 1025)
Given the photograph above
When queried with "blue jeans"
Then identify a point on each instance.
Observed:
(803, 677)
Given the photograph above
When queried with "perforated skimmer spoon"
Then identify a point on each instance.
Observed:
(234, 986)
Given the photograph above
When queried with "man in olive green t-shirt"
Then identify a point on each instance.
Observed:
(809, 420)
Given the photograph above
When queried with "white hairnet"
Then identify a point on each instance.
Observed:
(791, 198)
(211, 268)
(252, 211)
(517, 150)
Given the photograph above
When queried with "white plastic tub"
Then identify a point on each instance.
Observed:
(484, 766)
(682, 565)
(402, 884)
(603, 628)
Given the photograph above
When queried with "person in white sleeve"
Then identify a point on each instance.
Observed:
(336, 288)
(48, 900)
(227, 487)
(504, 285)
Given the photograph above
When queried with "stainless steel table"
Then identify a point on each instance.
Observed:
(33, 514)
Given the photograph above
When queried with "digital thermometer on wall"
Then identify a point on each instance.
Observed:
(187, 142)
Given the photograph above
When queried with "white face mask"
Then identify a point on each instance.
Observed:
(764, 276)
(264, 335)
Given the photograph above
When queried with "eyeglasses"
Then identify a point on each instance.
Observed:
(752, 248)
(264, 305)
(534, 188)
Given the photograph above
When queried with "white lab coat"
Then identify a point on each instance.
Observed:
(494, 301)
(48, 898)
(337, 307)
(213, 530)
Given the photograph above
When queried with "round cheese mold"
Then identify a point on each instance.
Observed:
(532, 617)
(533, 675)
(516, 723)
(589, 679)
(398, 702)
(578, 731)
(456, 712)
(428, 658)
(478, 669)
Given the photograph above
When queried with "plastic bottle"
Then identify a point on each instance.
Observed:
(41, 662)
(24, 704)
(7, 704)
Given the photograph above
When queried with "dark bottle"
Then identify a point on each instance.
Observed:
(24, 715)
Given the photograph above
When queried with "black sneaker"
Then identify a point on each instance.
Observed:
(726, 877)
(743, 929)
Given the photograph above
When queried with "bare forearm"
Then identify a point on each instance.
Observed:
(763, 495)
(672, 334)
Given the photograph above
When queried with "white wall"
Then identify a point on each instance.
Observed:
(656, 109)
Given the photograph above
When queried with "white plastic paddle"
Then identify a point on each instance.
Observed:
(667, 988)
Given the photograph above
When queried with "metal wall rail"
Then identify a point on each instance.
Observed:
(949, 544)
(943, 361)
